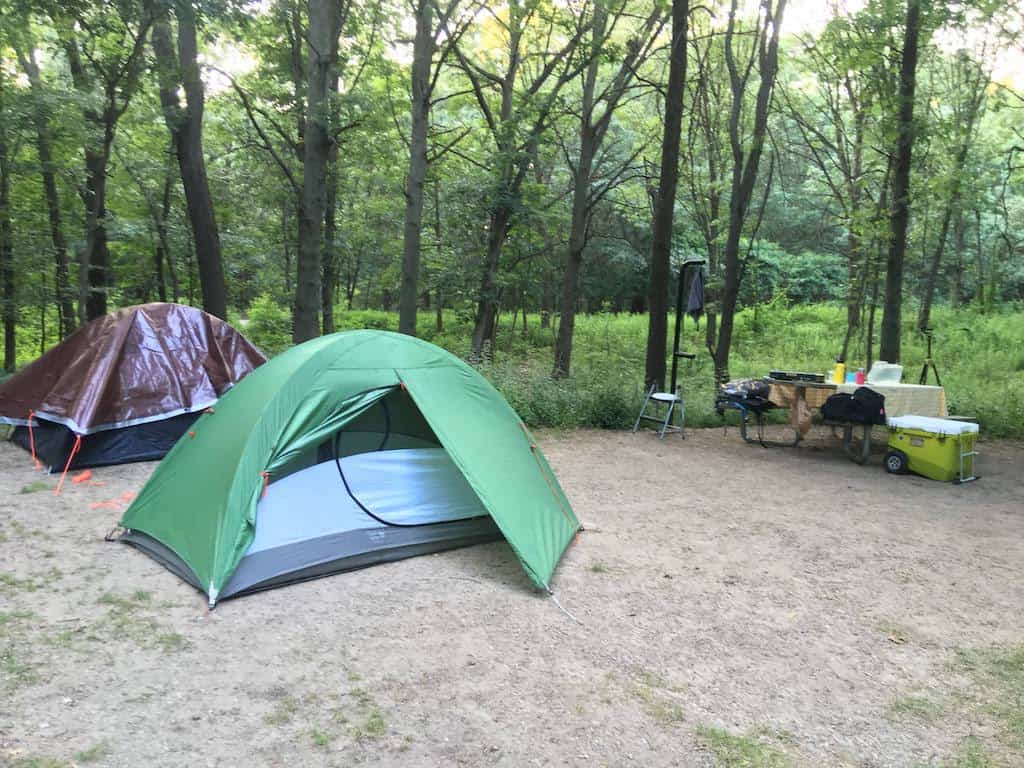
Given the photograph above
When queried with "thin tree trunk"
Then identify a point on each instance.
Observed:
(9, 309)
(330, 260)
(589, 142)
(891, 313)
(487, 305)
(325, 19)
(44, 146)
(979, 262)
(329, 281)
(422, 56)
(664, 208)
(956, 277)
(94, 279)
(524, 295)
(745, 169)
(162, 255)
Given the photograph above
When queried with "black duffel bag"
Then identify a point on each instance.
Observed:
(864, 406)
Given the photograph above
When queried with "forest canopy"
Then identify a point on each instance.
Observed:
(457, 161)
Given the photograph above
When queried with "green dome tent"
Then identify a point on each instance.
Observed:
(344, 451)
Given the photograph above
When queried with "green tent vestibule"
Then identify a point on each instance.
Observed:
(348, 450)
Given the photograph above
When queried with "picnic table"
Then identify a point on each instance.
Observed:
(803, 398)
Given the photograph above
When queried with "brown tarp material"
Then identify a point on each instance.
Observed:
(139, 364)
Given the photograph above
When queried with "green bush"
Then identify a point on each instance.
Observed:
(269, 326)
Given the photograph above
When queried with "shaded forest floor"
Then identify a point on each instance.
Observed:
(737, 606)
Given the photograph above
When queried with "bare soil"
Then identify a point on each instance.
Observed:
(734, 606)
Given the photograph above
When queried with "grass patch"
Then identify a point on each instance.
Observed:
(740, 751)
(320, 739)
(971, 755)
(998, 674)
(11, 617)
(15, 673)
(126, 618)
(35, 487)
(914, 708)
(283, 711)
(34, 761)
(599, 567)
(656, 694)
(93, 754)
(170, 642)
(9, 583)
(373, 727)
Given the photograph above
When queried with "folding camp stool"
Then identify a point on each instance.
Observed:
(674, 401)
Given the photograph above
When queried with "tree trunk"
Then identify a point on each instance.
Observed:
(186, 127)
(9, 309)
(329, 281)
(322, 55)
(44, 146)
(889, 347)
(664, 208)
(422, 56)
(956, 277)
(487, 304)
(979, 262)
(162, 255)
(330, 259)
(746, 165)
(590, 140)
(286, 248)
(547, 298)
(94, 279)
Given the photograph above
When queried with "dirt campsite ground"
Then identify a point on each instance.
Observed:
(736, 606)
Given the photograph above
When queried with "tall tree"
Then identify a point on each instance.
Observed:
(179, 71)
(105, 49)
(889, 344)
(969, 81)
(746, 152)
(596, 111)
(25, 50)
(527, 87)
(326, 18)
(665, 200)
(423, 47)
(8, 302)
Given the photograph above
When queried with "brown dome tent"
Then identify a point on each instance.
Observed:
(125, 386)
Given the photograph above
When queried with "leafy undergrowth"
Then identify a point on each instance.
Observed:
(980, 358)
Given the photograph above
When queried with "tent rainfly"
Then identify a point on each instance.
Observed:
(345, 451)
(125, 386)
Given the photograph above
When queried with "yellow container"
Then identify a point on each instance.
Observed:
(941, 449)
(839, 373)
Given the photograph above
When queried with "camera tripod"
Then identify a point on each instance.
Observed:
(928, 362)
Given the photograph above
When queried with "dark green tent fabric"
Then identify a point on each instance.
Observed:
(201, 501)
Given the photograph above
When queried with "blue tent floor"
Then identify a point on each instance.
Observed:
(308, 525)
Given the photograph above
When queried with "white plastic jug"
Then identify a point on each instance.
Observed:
(885, 373)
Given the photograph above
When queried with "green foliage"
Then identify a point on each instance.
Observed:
(269, 326)
(982, 368)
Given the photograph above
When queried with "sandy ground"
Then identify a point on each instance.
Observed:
(785, 597)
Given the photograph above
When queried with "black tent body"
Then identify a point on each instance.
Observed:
(141, 442)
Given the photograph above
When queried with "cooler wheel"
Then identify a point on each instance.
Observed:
(896, 463)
